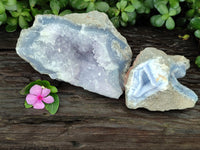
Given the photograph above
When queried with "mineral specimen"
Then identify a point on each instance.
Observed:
(83, 49)
(152, 82)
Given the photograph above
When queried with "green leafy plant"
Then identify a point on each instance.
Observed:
(168, 13)
(52, 107)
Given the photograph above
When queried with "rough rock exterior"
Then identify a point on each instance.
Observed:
(152, 82)
(83, 49)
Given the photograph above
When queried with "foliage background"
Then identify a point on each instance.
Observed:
(167, 13)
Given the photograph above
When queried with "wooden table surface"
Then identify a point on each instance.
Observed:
(89, 121)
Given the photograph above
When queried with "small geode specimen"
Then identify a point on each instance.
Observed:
(83, 49)
(152, 82)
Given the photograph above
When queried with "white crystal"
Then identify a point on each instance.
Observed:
(83, 49)
(152, 82)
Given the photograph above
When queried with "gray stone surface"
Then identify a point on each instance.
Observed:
(83, 49)
(152, 82)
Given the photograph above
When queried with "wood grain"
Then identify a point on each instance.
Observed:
(89, 121)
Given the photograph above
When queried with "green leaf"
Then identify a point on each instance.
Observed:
(165, 17)
(10, 4)
(10, 28)
(53, 89)
(90, 7)
(35, 11)
(27, 105)
(162, 9)
(157, 21)
(47, 12)
(137, 4)
(63, 3)
(102, 6)
(141, 10)
(32, 2)
(197, 33)
(12, 21)
(195, 23)
(22, 22)
(3, 17)
(123, 24)
(190, 13)
(53, 108)
(79, 4)
(27, 16)
(197, 62)
(111, 12)
(131, 16)
(118, 5)
(2, 8)
(123, 4)
(172, 12)
(174, 3)
(55, 6)
(14, 14)
(148, 3)
(124, 17)
(27, 88)
(170, 24)
(65, 12)
(129, 8)
(115, 21)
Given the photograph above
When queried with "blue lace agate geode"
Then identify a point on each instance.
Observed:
(82, 49)
(152, 82)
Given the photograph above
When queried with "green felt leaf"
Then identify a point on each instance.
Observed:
(170, 24)
(129, 8)
(65, 12)
(10, 28)
(27, 105)
(102, 6)
(197, 61)
(124, 17)
(197, 33)
(53, 108)
(157, 20)
(55, 6)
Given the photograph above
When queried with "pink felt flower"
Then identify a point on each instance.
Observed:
(39, 94)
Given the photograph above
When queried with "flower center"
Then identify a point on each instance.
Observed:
(40, 97)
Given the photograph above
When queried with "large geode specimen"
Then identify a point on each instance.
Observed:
(152, 82)
(83, 49)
